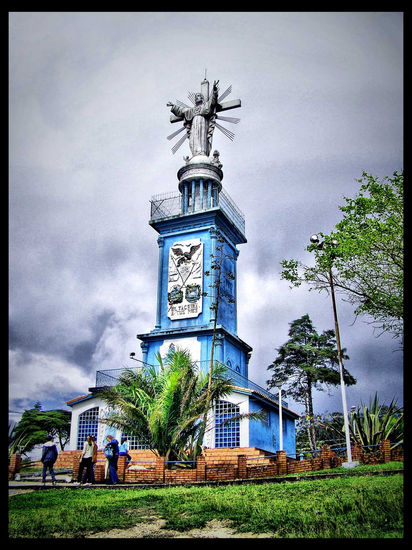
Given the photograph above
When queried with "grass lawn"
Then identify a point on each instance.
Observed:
(347, 507)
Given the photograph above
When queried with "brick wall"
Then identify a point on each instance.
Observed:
(216, 464)
(14, 465)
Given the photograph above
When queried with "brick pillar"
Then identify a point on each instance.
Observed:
(99, 472)
(201, 468)
(76, 464)
(14, 466)
(325, 457)
(282, 462)
(121, 467)
(241, 467)
(386, 450)
(357, 452)
(160, 469)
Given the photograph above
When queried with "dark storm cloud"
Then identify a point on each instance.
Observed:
(321, 102)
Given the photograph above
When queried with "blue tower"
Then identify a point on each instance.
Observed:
(197, 226)
(190, 224)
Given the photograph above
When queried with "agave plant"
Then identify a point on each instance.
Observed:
(371, 425)
(18, 442)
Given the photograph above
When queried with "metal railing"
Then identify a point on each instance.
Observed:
(110, 377)
(238, 379)
(168, 205)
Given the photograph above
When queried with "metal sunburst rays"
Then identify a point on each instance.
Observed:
(220, 107)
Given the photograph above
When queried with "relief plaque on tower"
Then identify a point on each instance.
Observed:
(185, 279)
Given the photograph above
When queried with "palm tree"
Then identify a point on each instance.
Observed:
(165, 406)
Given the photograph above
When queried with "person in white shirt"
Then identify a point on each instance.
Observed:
(86, 461)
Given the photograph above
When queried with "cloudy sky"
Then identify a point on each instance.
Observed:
(322, 96)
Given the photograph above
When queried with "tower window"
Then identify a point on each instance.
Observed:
(88, 423)
(227, 434)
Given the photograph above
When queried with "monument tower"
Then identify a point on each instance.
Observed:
(190, 223)
(199, 225)
(199, 228)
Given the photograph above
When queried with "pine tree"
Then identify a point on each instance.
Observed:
(307, 362)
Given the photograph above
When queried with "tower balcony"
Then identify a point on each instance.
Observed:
(196, 197)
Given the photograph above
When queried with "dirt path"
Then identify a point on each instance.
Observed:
(153, 527)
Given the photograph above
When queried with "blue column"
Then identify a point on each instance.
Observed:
(185, 197)
(214, 195)
(219, 347)
(201, 195)
(145, 347)
(209, 194)
(182, 201)
(160, 242)
(193, 194)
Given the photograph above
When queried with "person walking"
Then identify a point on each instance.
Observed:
(112, 454)
(48, 458)
(86, 461)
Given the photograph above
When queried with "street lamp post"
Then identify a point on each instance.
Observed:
(280, 420)
(349, 464)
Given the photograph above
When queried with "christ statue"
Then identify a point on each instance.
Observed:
(199, 121)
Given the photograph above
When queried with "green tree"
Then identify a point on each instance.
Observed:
(368, 257)
(328, 429)
(35, 425)
(308, 361)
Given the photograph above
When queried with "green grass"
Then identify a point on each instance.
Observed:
(347, 507)
(361, 469)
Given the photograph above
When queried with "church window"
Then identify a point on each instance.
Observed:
(227, 434)
(88, 422)
(135, 442)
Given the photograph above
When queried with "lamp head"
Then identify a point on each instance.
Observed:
(132, 354)
(314, 239)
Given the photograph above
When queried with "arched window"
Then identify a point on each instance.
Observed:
(227, 434)
(88, 423)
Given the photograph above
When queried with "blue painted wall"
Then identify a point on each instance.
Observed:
(265, 435)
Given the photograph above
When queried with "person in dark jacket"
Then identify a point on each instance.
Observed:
(48, 458)
(112, 454)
